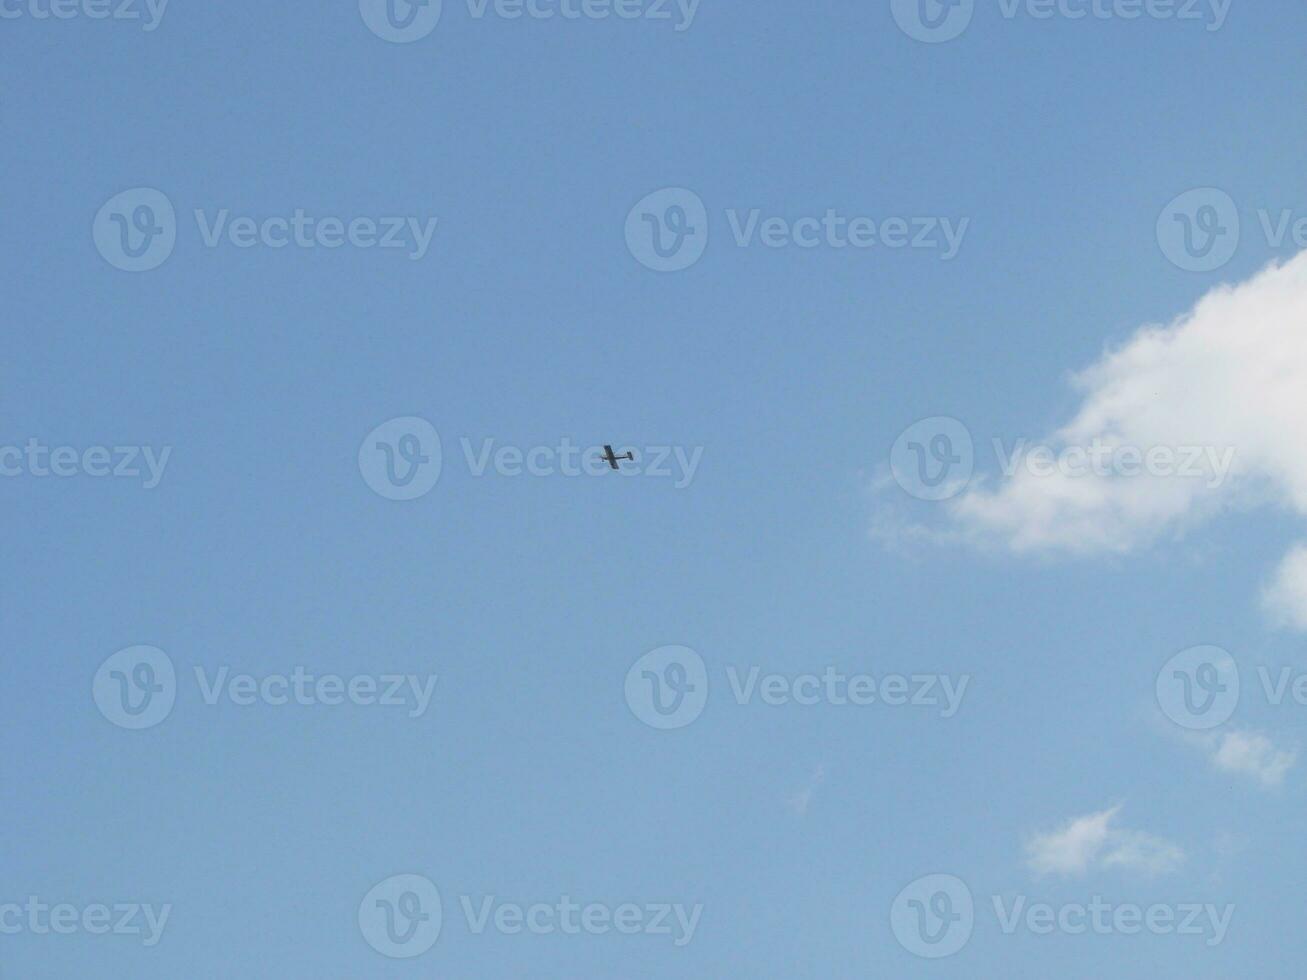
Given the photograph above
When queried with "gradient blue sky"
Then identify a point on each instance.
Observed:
(530, 321)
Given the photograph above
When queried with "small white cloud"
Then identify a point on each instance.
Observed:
(1254, 755)
(1093, 842)
(1071, 849)
(1138, 851)
(1246, 753)
(1286, 597)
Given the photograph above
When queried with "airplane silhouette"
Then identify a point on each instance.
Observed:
(612, 459)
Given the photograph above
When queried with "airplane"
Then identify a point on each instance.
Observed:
(612, 459)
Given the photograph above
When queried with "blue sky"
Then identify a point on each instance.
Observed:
(774, 379)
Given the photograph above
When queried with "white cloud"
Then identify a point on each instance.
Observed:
(1254, 755)
(1243, 752)
(1092, 842)
(1071, 849)
(1286, 597)
(1230, 375)
(1137, 851)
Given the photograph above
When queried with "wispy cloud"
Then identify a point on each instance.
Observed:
(1253, 754)
(1094, 842)
(1285, 597)
(1243, 752)
(801, 800)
